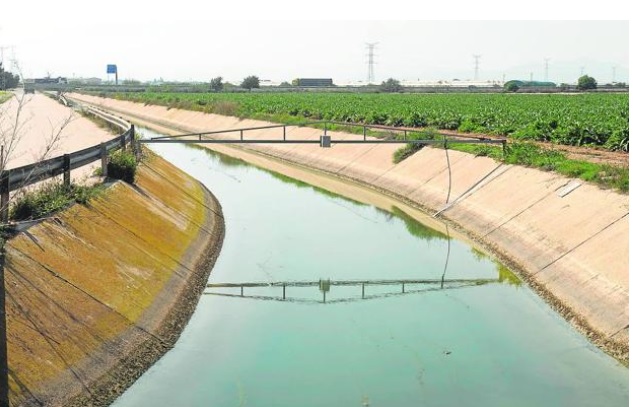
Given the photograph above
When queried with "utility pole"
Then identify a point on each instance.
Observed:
(476, 66)
(546, 69)
(370, 61)
(613, 78)
(582, 70)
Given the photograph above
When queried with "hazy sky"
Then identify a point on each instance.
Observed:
(150, 42)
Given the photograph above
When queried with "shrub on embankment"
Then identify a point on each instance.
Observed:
(50, 198)
(53, 197)
(122, 165)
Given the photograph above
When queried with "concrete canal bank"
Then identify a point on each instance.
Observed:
(568, 239)
(96, 294)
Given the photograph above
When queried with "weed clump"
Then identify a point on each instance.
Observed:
(49, 199)
(411, 148)
(122, 165)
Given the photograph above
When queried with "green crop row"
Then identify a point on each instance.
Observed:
(579, 119)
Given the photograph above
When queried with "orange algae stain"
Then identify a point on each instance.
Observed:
(78, 282)
(50, 324)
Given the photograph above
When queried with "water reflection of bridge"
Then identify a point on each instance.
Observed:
(406, 286)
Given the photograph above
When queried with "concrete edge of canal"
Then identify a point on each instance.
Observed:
(98, 293)
(567, 239)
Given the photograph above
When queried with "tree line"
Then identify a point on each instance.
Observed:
(7, 79)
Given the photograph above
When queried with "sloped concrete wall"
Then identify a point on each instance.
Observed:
(99, 292)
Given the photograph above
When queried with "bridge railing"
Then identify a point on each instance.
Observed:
(406, 135)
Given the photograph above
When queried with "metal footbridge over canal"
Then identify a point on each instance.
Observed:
(388, 135)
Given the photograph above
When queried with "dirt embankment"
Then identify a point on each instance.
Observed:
(568, 239)
(96, 294)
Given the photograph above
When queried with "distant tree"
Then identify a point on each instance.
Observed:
(250, 82)
(511, 86)
(216, 84)
(285, 84)
(7, 79)
(586, 82)
(391, 85)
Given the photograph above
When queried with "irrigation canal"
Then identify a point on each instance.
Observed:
(460, 331)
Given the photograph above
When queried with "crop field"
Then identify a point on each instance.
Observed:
(600, 120)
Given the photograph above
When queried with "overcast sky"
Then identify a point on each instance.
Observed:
(151, 42)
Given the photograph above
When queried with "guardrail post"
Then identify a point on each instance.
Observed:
(4, 198)
(66, 170)
(104, 160)
(122, 140)
(133, 143)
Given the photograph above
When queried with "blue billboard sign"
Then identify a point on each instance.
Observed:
(111, 68)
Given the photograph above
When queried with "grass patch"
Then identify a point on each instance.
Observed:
(411, 148)
(531, 155)
(4, 96)
(49, 199)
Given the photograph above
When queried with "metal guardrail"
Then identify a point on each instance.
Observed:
(16, 178)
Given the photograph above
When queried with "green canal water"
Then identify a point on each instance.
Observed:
(486, 340)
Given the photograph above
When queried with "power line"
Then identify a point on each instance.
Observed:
(476, 66)
(613, 79)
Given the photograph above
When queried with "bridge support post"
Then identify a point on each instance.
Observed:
(66, 170)
(241, 291)
(363, 292)
(284, 294)
(104, 160)
(133, 143)
(325, 141)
